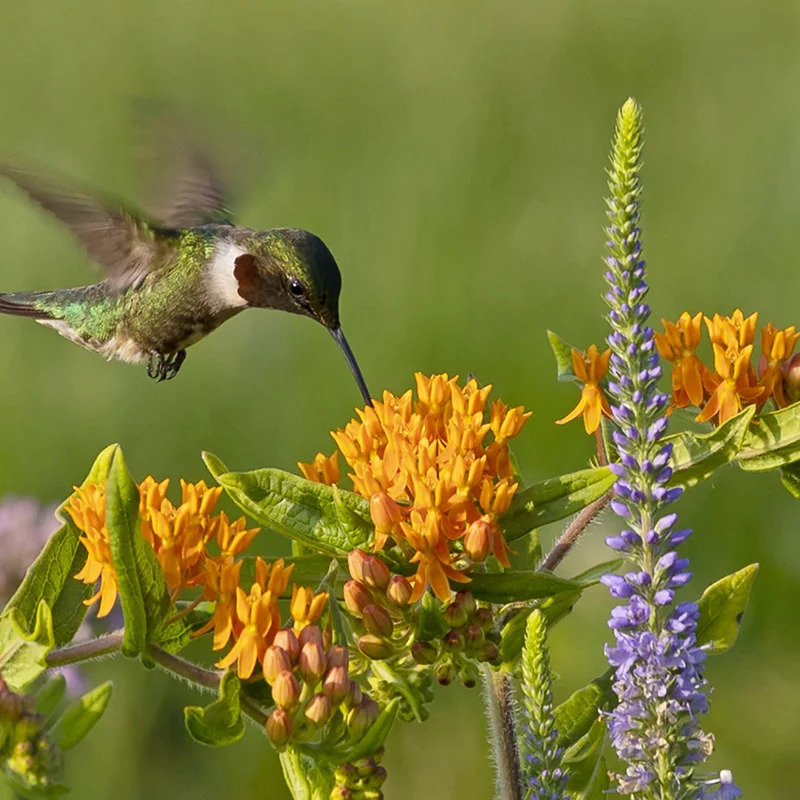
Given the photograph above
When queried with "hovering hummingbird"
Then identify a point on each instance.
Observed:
(171, 282)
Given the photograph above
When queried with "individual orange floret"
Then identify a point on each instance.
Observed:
(590, 369)
(678, 344)
(777, 347)
(730, 385)
(323, 469)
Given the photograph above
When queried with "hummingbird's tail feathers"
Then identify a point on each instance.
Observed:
(20, 305)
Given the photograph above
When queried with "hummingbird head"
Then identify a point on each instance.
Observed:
(293, 270)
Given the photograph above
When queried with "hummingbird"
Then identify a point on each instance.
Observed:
(171, 281)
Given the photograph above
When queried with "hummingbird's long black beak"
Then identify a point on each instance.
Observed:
(351, 360)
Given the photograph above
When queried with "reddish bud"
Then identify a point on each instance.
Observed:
(311, 633)
(360, 719)
(376, 573)
(484, 618)
(287, 641)
(356, 596)
(312, 663)
(336, 685)
(355, 563)
(791, 378)
(454, 641)
(338, 656)
(474, 637)
(490, 653)
(455, 615)
(399, 590)
(467, 601)
(276, 660)
(375, 647)
(377, 620)
(318, 709)
(445, 674)
(341, 793)
(279, 727)
(286, 689)
(355, 694)
(478, 540)
(423, 653)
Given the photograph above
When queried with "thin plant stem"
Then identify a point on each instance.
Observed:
(105, 645)
(499, 700)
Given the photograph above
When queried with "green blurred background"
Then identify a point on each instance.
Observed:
(451, 154)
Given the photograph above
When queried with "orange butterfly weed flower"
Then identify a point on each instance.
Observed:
(424, 465)
(678, 344)
(590, 369)
(777, 347)
(323, 469)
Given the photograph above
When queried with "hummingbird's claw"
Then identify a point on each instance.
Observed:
(162, 367)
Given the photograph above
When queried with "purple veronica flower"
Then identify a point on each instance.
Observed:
(658, 667)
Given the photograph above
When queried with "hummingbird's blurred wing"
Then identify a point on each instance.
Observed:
(118, 239)
(197, 196)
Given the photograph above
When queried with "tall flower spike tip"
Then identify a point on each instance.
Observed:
(545, 776)
(659, 668)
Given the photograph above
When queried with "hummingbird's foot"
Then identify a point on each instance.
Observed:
(162, 367)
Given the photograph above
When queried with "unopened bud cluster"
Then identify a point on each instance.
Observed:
(470, 638)
(311, 685)
(361, 780)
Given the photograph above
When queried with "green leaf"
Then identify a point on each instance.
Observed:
(327, 519)
(527, 553)
(554, 499)
(513, 585)
(22, 652)
(51, 577)
(430, 620)
(586, 766)
(328, 584)
(142, 588)
(214, 465)
(50, 694)
(772, 441)
(695, 456)
(721, 608)
(790, 478)
(221, 722)
(557, 607)
(176, 635)
(81, 716)
(576, 715)
(563, 355)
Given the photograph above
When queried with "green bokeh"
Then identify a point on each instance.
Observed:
(451, 154)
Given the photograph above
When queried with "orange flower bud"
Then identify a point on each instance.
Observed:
(385, 512)
(376, 573)
(377, 620)
(318, 709)
(276, 660)
(286, 689)
(336, 684)
(355, 694)
(399, 590)
(338, 656)
(478, 540)
(791, 378)
(375, 647)
(311, 663)
(311, 633)
(356, 596)
(355, 563)
(279, 727)
(287, 641)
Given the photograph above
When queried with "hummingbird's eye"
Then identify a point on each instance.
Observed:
(296, 288)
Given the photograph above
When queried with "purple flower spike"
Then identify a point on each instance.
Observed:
(659, 683)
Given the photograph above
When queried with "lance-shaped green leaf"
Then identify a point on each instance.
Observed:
(772, 441)
(695, 456)
(554, 499)
(174, 635)
(593, 574)
(562, 351)
(51, 577)
(221, 722)
(790, 478)
(514, 585)
(142, 588)
(81, 716)
(586, 766)
(22, 650)
(576, 715)
(327, 519)
(721, 608)
(50, 693)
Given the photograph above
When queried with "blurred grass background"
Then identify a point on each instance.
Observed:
(451, 154)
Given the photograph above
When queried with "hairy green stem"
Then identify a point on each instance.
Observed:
(499, 700)
(105, 645)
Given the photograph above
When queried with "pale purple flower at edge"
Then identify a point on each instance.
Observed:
(659, 679)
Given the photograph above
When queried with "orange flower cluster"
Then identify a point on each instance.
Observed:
(436, 487)
(197, 549)
(733, 383)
